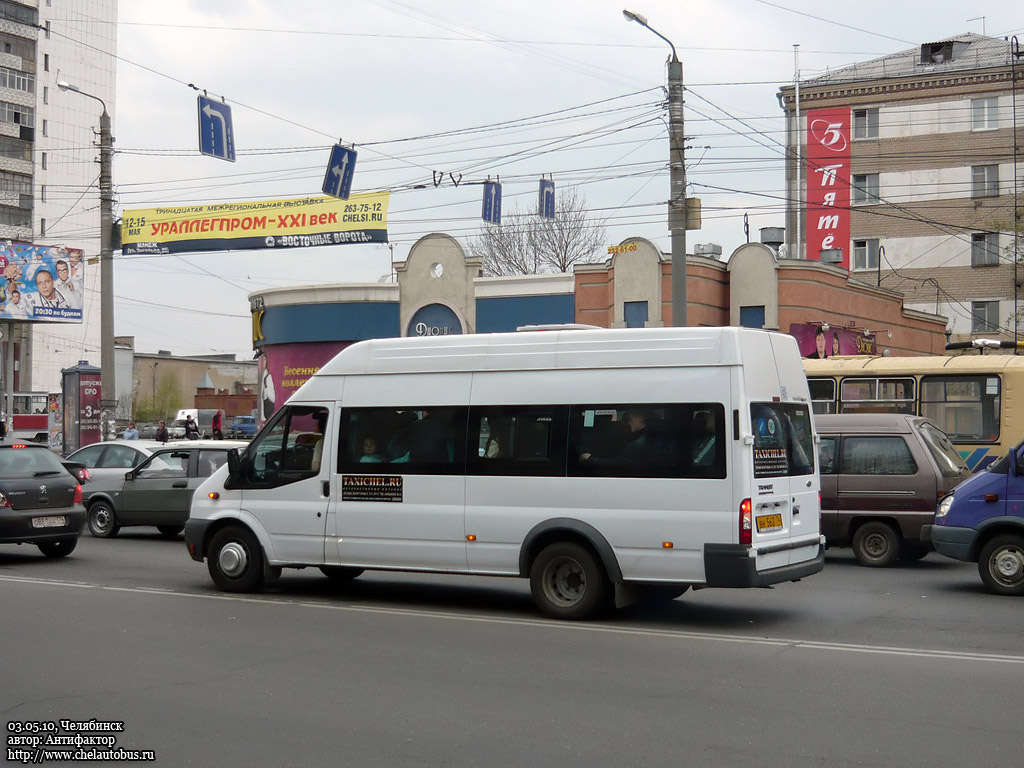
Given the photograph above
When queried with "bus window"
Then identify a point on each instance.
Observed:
(517, 440)
(964, 407)
(406, 440)
(823, 395)
(877, 395)
(783, 442)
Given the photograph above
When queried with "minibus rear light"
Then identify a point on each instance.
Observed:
(746, 521)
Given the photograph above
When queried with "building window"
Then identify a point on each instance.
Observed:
(984, 249)
(16, 80)
(865, 254)
(46, 95)
(16, 113)
(865, 123)
(42, 227)
(42, 160)
(47, 30)
(44, 128)
(984, 180)
(16, 148)
(984, 316)
(15, 217)
(635, 314)
(42, 193)
(17, 12)
(983, 114)
(46, 60)
(15, 182)
(865, 187)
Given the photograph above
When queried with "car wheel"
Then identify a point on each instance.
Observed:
(235, 560)
(59, 547)
(340, 573)
(568, 582)
(170, 531)
(876, 544)
(1001, 565)
(102, 521)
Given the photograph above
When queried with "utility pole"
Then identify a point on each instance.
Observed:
(677, 175)
(108, 399)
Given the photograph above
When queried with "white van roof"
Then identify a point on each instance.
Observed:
(555, 349)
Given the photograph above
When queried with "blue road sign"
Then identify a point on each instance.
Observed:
(340, 169)
(492, 202)
(546, 209)
(216, 135)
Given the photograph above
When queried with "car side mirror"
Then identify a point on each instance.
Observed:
(129, 475)
(234, 463)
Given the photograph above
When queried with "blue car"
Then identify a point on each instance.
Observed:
(982, 521)
(242, 427)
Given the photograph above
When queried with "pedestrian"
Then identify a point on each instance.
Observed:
(191, 429)
(161, 431)
(131, 433)
(218, 422)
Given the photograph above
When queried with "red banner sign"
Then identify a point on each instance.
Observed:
(89, 413)
(828, 182)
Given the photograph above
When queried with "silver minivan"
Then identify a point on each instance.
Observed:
(882, 475)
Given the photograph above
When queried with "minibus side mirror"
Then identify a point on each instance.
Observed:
(1017, 463)
(234, 463)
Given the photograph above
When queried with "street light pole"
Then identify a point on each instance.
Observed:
(108, 388)
(677, 175)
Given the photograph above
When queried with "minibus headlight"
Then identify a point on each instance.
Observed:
(943, 509)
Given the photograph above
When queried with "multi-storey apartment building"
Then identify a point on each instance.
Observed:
(904, 170)
(49, 189)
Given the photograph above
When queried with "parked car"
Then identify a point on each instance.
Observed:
(159, 490)
(881, 476)
(40, 500)
(982, 521)
(242, 427)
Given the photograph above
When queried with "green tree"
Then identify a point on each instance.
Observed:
(165, 402)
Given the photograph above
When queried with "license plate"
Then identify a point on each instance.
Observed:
(769, 523)
(51, 521)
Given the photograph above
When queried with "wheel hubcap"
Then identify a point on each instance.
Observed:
(875, 545)
(1008, 566)
(101, 519)
(233, 559)
(566, 582)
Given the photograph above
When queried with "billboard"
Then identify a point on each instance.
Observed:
(286, 367)
(817, 342)
(300, 223)
(41, 282)
(828, 182)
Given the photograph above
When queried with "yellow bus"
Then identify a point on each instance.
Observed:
(973, 398)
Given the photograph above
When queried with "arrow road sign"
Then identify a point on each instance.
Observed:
(547, 199)
(340, 169)
(492, 202)
(216, 135)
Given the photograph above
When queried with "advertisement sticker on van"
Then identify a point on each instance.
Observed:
(371, 488)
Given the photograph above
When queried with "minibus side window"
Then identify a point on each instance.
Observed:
(290, 448)
(423, 440)
(517, 440)
(648, 440)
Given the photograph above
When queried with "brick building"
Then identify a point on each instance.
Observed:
(905, 173)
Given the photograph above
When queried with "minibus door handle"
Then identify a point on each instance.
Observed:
(327, 487)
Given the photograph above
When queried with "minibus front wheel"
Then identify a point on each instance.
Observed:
(568, 582)
(235, 560)
(1001, 564)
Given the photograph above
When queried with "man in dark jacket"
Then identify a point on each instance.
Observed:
(161, 431)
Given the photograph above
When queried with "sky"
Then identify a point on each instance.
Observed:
(462, 91)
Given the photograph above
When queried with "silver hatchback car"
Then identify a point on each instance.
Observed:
(159, 490)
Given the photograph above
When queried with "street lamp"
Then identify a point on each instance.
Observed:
(109, 394)
(677, 174)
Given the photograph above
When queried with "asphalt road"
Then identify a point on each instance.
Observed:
(912, 666)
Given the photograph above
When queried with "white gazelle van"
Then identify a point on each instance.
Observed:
(599, 464)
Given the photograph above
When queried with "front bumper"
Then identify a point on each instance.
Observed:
(16, 525)
(954, 541)
(730, 565)
(195, 537)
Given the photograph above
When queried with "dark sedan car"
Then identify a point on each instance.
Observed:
(40, 501)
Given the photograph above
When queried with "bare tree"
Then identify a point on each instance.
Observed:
(526, 244)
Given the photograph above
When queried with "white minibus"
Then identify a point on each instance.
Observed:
(600, 464)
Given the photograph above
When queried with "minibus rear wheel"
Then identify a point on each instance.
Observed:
(1001, 564)
(235, 560)
(569, 582)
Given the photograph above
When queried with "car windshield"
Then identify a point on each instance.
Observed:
(28, 462)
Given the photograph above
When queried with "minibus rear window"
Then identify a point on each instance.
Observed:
(783, 442)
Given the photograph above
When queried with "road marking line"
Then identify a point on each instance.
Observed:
(779, 642)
